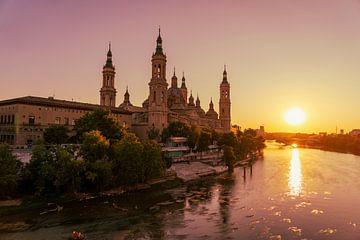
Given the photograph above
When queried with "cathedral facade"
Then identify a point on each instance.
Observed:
(23, 120)
(167, 103)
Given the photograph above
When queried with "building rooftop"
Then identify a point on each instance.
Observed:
(52, 102)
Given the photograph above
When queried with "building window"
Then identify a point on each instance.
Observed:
(66, 121)
(162, 97)
(154, 100)
(12, 119)
(57, 120)
(31, 120)
(1, 119)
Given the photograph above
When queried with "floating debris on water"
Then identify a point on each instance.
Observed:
(353, 224)
(278, 213)
(327, 231)
(316, 212)
(295, 230)
(302, 205)
(271, 208)
(275, 237)
(286, 220)
(256, 221)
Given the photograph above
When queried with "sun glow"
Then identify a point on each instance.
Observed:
(295, 116)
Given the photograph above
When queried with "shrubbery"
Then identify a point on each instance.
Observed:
(9, 172)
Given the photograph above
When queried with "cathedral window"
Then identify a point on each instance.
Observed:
(159, 70)
(31, 120)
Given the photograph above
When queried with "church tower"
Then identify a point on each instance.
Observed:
(183, 88)
(158, 108)
(225, 103)
(108, 91)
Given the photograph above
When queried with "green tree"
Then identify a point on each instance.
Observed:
(56, 134)
(227, 139)
(69, 171)
(128, 166)
(153, 133)
(175, 129)
(95, 146)
(192, 137)
(42, 170)
(204, 141)
(152, 159)
(100, 120)
(229, 157)
(9, 171)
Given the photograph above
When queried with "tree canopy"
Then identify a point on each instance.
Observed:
(56, 134)
(9, 171)
(100, 120)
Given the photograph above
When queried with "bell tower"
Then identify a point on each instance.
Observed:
(158, 108)
(108, 91)
(225, 103)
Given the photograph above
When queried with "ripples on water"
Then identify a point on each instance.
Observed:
(291, 194)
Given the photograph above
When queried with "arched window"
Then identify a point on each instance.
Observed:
(158, 70)
(162, 97)
(154, 96)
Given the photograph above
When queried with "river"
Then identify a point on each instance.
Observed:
(292, 193)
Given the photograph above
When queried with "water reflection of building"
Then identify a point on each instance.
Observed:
(295, 174)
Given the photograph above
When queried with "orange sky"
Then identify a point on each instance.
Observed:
(278, 53)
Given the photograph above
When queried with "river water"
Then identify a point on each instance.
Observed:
(289, 194)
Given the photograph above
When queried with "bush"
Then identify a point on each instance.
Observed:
(9, 172)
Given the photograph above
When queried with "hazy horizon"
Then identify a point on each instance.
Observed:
(279, 54)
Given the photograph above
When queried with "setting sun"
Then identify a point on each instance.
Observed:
(295, 116)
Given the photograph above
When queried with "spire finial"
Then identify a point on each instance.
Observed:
(225, 67)
(127, 88)
(174, 70)
(109, 45)
(159, 31)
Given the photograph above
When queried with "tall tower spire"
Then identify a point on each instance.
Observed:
(183, 88)
(174, 80)
(158, 109)
(159, 49)
(225, 103)
(198, 101)
(224, 75)
(108, 91)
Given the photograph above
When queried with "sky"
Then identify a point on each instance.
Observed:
(279, 54)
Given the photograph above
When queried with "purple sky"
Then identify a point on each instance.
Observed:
(279, 53)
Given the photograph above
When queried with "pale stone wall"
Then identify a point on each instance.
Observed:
(31, 120)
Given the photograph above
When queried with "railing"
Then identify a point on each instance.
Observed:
(199, 156)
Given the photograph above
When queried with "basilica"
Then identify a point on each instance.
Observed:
(165, 103)
(23, 120)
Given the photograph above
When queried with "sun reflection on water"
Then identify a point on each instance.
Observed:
(295, 175)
